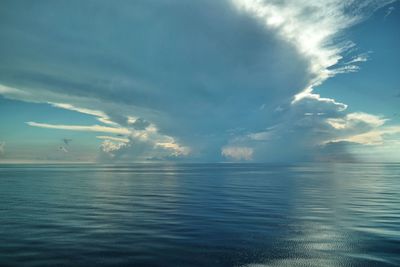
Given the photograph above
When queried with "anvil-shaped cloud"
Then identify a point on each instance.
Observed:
(203, 80)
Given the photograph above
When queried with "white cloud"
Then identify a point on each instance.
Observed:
(6, 90)
(113, 145)
(96, 113)
(354, 120)
(312, 26)
(113, 138)
(91, 128)
(376, 136)
(237, 153)
(260, 136)
(110, 147)
(101, 116)
(358, 58)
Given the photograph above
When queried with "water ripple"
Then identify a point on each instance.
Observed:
(200, 215)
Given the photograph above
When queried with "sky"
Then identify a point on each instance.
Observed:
(200, 81)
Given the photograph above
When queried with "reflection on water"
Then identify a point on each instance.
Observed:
(200, 215)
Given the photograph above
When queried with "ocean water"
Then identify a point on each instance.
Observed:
(200, 215)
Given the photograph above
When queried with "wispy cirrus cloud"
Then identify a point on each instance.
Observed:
(91, 128)
(389, 11)
(101, 116)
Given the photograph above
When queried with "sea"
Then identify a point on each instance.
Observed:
(225, 214)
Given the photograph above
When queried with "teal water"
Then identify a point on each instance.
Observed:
(200, 215)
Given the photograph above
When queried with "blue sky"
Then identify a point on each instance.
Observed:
(377, 83)
(203, 81)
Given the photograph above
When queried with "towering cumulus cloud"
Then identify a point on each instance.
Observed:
(196, 80)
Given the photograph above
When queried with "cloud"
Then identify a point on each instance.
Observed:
(312, 26)
(312, 129)
(348, 151)
(96, 113)
(112, 138)
(372, 137)
(389, 11)
(357, 121)
(139, 150)
(339, 151)
(238, 153)
(205, 80)
(101, 116)
(109, 147)
(148, 137)
(91, 128)
(138, 124)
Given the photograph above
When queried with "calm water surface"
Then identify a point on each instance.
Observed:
(200, 215)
